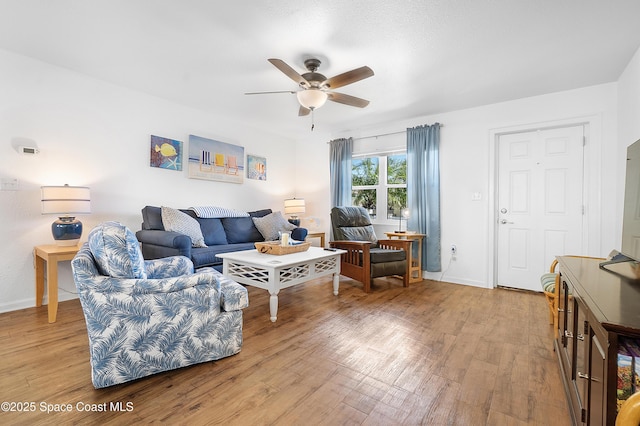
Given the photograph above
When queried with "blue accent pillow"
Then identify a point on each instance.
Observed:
(213, 232)
(212, 229)
(241, 230)
(116, 251)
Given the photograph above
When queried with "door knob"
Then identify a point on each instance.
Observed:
(504, 222)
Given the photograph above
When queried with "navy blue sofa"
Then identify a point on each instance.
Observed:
(221, 235)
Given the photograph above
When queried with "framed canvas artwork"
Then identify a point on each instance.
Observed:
(165, 153)
(214, 160)
(256, 167)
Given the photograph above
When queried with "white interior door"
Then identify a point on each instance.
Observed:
(540, 202)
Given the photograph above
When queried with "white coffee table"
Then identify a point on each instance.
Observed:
(273, 273)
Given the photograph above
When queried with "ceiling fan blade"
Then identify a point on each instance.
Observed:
(268, 93)
(303, 111)
(341, 98)
(349, 77)
(289, 72)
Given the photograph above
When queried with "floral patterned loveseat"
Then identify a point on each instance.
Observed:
(145, 317)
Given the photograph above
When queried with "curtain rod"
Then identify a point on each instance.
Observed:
(377, 136)
(384, 134)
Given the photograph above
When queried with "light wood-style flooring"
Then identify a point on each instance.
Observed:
(434, 353)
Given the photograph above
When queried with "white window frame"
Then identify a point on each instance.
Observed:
(382, 186)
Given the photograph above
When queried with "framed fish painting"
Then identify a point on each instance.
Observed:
(214, 160)
(165, 153)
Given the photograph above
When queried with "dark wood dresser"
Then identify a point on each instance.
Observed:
(597, 310)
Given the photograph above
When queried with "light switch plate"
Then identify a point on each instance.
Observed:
(8, 184)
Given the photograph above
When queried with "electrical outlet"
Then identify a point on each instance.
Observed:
(454, 250)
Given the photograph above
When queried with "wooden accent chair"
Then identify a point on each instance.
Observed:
(551, 288)
(550, 282)
(367, 257)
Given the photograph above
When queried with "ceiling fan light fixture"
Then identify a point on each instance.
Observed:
(312, 98)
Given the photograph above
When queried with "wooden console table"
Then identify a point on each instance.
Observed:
(415, 263)
(50, 255)
(597, 311)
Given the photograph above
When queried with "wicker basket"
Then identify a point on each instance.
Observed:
(274, 247)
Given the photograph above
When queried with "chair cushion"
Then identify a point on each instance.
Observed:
(548, 282)
(359, 233)
(116, 251)
(351, 216)
(177, 221)
(379, 255)
(271, 225)
(353, 224)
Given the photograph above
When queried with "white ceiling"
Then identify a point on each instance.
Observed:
(429, 56)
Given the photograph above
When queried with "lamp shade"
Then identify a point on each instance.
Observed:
(293, 206)
(312, 98)
(66, 201)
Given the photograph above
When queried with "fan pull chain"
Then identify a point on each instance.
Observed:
(312, 120)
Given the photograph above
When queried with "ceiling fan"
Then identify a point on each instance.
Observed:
(315, 88)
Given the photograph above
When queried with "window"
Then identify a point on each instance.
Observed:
(379, 184)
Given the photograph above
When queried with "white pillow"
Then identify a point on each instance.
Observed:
(177, 221)
(271, 224)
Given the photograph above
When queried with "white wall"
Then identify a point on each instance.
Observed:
(466, 168)
(628, 124)
(96, 134)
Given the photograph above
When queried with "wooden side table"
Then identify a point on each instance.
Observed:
(50, 255)
(317, 235)
(415, 264)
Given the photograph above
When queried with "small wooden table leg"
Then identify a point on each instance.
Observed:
(52, 289)
(39, 264)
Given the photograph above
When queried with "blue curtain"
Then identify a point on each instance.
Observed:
(423, 190)
(340, 169)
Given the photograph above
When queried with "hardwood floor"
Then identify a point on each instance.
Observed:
(434, 353)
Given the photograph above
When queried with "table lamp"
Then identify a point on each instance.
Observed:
(66, 201)
(404, 214)
(293, 206)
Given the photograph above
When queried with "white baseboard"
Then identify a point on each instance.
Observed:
(437, 276)
(30, 303)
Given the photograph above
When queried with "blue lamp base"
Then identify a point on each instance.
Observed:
(66, 231)
(294, 220)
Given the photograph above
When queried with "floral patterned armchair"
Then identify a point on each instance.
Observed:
(145, 317)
